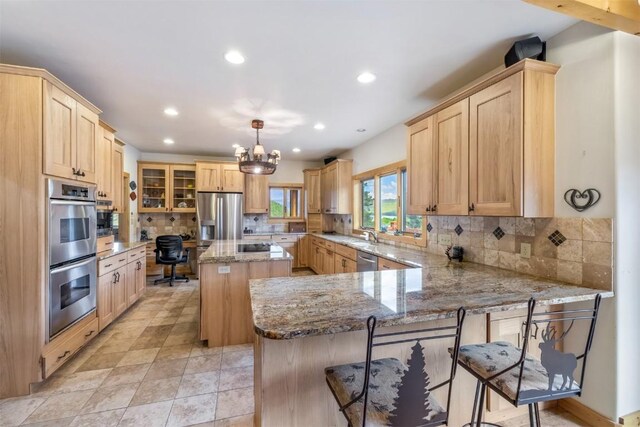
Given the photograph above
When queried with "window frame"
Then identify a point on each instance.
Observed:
(288, 186)
(403, 236)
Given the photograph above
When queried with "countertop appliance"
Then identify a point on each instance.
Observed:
(72, 232)
(219, 218)
(254, 247)
(367, 262)
(104, 222)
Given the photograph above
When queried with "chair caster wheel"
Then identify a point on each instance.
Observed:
(187, 280)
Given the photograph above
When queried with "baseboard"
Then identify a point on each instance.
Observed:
(586, 414)
(632, 419)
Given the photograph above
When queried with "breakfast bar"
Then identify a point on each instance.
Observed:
(305, 324)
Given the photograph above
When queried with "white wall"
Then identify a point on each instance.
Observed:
(627, 236)
(131, 157)
(388, 147)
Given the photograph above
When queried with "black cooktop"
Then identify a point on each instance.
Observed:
(254, 247)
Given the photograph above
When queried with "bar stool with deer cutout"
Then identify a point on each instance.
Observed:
(521, 378)
(386, 391)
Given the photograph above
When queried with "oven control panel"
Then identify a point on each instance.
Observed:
(75, 191)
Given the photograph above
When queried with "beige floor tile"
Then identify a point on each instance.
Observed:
(174, 352)
(192, 410)
(126, 375)
(233, 403)
(112, 397)
(203, 364)
(160, 321)
(156, 391)
(61, 406)
(238, 347)
(137, 357)
(151, 415)
(180, 339)
(99, 419)
(183, 328)
(62, 422)
(190, 310)
(199, 350)
(148, 342)
(116, 345)
(14, 411)
(128, 333)
(79, 381)
(201, 383)
(236, 378)
(187, 318)
(102, 361)
(237, 359)
(166, 369)
(241, 421)
(157, 331)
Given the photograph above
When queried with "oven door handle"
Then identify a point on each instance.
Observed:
(74, 265)
(71, 202)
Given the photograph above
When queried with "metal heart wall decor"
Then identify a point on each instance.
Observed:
(582, 200)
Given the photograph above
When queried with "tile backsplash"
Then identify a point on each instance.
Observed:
(259, 223)
(158, 224)
(574, 250)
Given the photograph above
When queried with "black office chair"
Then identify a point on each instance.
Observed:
(169, 251)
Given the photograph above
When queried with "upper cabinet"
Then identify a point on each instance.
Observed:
(167, 187)
(70, 136)
(256, 193)
(312, 191)
(223, 177)
(117, 169)
(104, 148)
(489, 150)
(336, 187)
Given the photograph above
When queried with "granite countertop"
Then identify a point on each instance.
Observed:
(118, 248)
(410, 257)
(292, 307)
(274, 233)
(224, 251)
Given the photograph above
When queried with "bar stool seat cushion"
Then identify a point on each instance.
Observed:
(346, 382)
(488, 359)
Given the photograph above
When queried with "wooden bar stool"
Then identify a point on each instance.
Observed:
(523, 379)
(385, 391)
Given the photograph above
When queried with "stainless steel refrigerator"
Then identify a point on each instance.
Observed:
(219, 218)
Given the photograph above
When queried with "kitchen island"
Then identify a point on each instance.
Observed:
(225, 270)
(305, 324)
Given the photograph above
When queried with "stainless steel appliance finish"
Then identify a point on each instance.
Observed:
(72, 293)
(367, 262)
(104, 222)
(219, 217)
(72, 221)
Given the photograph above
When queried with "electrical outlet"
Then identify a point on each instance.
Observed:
(224, 269)
(525, 250)
(444, 239)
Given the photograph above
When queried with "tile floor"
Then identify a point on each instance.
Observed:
(149, 369)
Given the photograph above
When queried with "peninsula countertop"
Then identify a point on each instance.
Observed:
(118, 248)
(226, 251)
(293, 307)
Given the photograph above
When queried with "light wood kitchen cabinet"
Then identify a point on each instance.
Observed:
(312, 190)
(328, 261)
(70, 136)
(256, 193)
(136, 277)
(104, 148)
(167, 187)
(421, 168)
(303, 251)
(219, 177)
(343, 264)
(120, 302)
(387, 264)
(505, 165)
(451, 130)
(117, 169)
(57, 352)
(183, 188)
(336, 187)
(105, 299)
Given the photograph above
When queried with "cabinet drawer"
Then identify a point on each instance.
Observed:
(386, 264)
(284, 238)
(112, 263)
(346, 251)
(61, 349)
(137, 253)
(317, 241)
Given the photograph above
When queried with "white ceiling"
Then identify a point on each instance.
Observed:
(134, 58)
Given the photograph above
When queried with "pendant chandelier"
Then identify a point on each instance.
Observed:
(255, 161)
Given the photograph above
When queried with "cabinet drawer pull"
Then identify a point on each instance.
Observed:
(122, 260)
(89, 334)
(64, 354)
(108, 244)
(472, 207)
(108, 265)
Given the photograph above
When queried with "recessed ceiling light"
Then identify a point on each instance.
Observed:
(366, 77)
(168, 141)
(296, 150)
(361, 130)
(318, 126)
(234, 57)
(170, 111)
(236, 145)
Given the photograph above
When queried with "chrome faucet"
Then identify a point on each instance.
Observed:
(371, 233)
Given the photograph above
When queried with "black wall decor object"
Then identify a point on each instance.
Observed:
(582, 200)
(533, 48)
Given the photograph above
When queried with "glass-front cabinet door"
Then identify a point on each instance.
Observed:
(154, 194)
(183, 188)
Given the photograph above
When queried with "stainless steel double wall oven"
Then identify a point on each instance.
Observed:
(72, 253)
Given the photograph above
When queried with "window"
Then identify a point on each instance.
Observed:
(285, 202)
(368, 203)
(382, 203)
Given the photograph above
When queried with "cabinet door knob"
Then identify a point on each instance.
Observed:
(472, 207)
(434, 208)
(428, 209)
(82, 174)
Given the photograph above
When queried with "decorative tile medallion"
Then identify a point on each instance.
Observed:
(172, 219)
(499, 233)
(458, 230)
(429, 227)
(557, 238)
(149, 219)
(193, 219)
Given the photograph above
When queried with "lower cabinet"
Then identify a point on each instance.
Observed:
(386, 264)
(63, 347)
(119, 291)
(303, 251)
(136, 280)
(342, 264)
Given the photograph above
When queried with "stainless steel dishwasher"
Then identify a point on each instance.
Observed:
(367, 262)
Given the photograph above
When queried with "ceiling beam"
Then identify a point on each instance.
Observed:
(623, 15)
